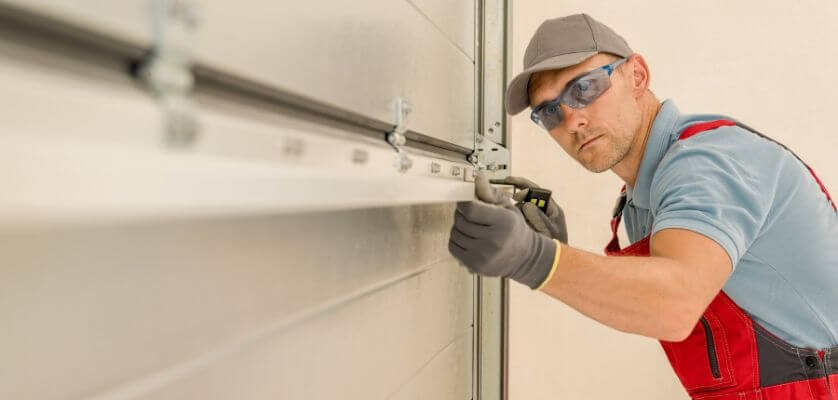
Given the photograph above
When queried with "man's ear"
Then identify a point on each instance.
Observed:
(640, 75)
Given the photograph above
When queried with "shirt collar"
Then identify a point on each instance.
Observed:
(661, 136)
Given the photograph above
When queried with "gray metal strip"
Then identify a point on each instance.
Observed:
(492, 316)
(492, 74)
(492, 339)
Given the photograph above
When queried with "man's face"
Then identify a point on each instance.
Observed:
(599, 135)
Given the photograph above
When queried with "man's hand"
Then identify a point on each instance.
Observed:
(491, 237)
(552, 223)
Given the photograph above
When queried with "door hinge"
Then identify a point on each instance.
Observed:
(490, 157)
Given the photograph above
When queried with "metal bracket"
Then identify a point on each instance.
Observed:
(168, 72)
(490, 157)
(397, 138)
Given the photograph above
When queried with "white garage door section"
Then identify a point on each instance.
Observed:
(257, 234)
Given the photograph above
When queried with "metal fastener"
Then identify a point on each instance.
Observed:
(397, 138)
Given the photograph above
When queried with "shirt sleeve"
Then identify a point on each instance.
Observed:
(712, 185)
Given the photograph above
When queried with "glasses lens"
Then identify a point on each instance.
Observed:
(586, 89)
(549, 115)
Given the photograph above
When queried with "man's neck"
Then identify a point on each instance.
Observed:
(628, 168)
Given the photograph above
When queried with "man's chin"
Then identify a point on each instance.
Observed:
(598, 170)
(601, 165)
(596, 167)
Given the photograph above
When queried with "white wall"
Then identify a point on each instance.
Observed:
(771, 64)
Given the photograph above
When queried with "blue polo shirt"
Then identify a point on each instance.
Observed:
(759, 203)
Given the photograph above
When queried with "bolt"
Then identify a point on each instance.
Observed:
(396, 139)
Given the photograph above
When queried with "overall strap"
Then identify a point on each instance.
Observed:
(613, 246)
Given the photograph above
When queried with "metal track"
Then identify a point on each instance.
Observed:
(65, 39)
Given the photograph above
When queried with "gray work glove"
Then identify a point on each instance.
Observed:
(491, 237)
(552, 223)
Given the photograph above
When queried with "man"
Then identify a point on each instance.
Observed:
(734, 261)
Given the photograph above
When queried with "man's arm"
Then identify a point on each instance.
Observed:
(661, 296)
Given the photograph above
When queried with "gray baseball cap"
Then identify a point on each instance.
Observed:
(559, 43)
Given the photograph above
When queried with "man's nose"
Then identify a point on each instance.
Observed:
(574, 118)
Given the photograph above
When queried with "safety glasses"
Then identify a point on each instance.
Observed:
(578, 93)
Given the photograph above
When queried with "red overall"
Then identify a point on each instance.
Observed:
(729, 356)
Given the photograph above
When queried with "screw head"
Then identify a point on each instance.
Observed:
(396, 139)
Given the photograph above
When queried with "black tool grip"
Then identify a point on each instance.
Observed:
(539, 197)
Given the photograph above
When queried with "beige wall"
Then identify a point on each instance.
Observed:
(770, 64)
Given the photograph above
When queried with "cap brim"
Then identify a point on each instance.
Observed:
(517, 98)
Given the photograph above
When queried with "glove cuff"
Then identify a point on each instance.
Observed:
(541, 264)
(558, 254)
